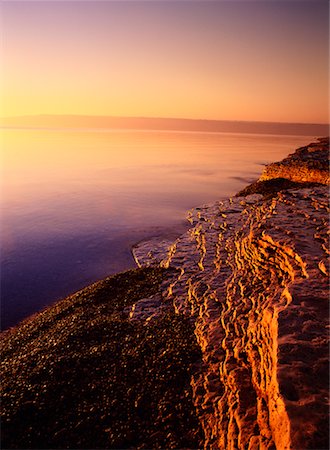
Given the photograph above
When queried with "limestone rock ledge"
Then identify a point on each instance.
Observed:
(307, 164)
(252, 274)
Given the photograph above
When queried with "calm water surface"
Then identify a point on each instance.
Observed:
(74, 202)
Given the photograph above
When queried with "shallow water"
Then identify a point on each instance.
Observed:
(74, 202)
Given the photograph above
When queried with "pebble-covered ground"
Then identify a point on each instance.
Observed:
(82, 374)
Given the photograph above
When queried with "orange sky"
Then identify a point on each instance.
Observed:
(249, 60)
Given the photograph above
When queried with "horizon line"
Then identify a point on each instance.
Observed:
(160, 118)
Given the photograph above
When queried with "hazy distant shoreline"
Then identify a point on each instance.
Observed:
(94, 123)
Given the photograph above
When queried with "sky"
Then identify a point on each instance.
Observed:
(258, 60)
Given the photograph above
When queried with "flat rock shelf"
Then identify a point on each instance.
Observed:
(252, 275)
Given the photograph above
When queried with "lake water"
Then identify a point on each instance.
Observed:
(74, 202)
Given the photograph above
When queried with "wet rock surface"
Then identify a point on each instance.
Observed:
(252, 276)
(151, 252)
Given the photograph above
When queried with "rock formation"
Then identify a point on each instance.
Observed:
(307, 164)
(252, 274)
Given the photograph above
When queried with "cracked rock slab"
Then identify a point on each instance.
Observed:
(252, 276)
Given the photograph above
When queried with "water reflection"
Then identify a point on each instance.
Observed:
(74, 202)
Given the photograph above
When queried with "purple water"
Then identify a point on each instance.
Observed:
(74, 202)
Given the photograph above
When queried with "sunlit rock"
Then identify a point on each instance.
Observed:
(252, 274)
(307, 164)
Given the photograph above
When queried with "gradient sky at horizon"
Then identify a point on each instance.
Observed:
(233, 60)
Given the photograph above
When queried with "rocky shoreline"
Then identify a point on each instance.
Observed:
(225, 332)
(253, 278)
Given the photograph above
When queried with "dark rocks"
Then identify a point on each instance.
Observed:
(81, 374)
